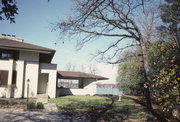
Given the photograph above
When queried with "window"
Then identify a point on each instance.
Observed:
(9, 54)
(3, 78)
(6, 56)
(68, 83)
(14, 77)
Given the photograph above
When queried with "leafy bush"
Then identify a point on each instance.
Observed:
(31, 105)
(13, 102)
(40, 105)
(22, 103)
(5, 103)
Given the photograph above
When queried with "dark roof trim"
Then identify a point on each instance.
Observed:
(26, 49)
(16, 45)
(78, 75)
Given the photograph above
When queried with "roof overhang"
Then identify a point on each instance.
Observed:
(25, 49)
(78, 75)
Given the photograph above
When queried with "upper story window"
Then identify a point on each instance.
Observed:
(6, 56)
(9, 54)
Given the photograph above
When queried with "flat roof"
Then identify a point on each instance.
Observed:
(78, 75)
(11, 44)
(17, 45)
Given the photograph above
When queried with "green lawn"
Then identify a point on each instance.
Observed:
(102, 108)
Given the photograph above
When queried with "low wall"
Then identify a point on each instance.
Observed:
(67, 91)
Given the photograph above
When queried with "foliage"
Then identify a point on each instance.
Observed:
(40, 105)
(8, 10)
(170, 16)
(164, 60)
(13, 103)
(116, 21)
(22, 103)
(4, 103)
(31, 105)
(130, 75)
(165, 68)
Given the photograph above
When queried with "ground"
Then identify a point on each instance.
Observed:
(103, 108)
(83, 109)
(37, 116)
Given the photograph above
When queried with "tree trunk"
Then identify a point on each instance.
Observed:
(146, 76)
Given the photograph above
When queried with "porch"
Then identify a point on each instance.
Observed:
(76, 83)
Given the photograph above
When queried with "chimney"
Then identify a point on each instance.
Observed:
(11, 37)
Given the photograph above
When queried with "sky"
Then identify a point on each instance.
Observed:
(34, 24)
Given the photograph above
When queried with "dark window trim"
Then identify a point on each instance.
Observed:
(4, 78)
(14, 77)
(14, 53)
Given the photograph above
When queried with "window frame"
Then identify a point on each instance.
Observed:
(4, 78)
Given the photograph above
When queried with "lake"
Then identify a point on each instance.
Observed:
(114, 91)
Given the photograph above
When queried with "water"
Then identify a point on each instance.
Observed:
(113, 91)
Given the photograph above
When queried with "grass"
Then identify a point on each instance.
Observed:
(106, 108)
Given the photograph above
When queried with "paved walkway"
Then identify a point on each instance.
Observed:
(46, 115)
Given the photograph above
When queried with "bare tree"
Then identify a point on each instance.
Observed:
(82, 68)
(92, 69)
(70, 67)
(113, 19)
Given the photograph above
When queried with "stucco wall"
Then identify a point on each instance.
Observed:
(51, 69)
(28, 67)
(6, 65)
(43, 83)
(67, 91)
(19, 68)
(31, 73)
(89, 89)
(29, 56)
(90, 84)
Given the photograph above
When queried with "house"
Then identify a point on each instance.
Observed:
(21, 64)
(27, 69)
(84, 83)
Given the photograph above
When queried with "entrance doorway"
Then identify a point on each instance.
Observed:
(43, 83)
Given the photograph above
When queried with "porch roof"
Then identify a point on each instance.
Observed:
(78, 75)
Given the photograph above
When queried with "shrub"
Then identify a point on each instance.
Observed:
(13, 102)
(5, 103)
(22, 103)
(40, 105)
(31, 105)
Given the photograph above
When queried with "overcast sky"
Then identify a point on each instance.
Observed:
(33, 24)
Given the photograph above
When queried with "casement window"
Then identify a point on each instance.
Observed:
(68, 83)
(14, 76)
(3, 78)
(6, 56)
(9, 54)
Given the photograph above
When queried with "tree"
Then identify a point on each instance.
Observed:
(8, 10)
(130, 74)
(168, 81)
(165, 72)
(70, 67)
(170, 15)
(115, 19)
(92, 69)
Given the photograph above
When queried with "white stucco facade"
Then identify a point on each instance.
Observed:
(29, 67)
(51, 70)
(7, 66)
(88, 88)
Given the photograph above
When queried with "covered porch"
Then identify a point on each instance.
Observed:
(76, 83)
